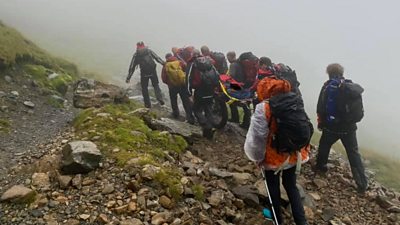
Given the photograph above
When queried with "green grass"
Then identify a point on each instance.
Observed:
(384, 166)
(17, 51)
(198, 191)
(4, 126)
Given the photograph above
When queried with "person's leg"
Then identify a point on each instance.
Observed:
(289, 183)
(144, 82)
(349, 141)
(275, 192)
(173, 96)
(246, 117)
(157, 90)
(208, 131)
(325, 143)
(234, 113)
(198, 111)
(186, 104)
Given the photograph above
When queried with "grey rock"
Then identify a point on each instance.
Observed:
(14, 94)
(328, 214)
(219, 173)
(90, 93)
(108, 189)
(8, 79)
(248, 194)
(242, 178)
(80, 157)
(149, 171)
(216, 198)
(29, 104)
(186, 130)
(37, 213)
(77, 181)
(2, 94)
(58, 99)
(53, 75)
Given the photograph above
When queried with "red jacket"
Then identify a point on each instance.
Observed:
(164, 75)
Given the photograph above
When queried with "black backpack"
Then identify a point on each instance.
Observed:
(221, 63)
(351, 109)
(284, 72)
(146, 61)
(294, 129)
(209, 75)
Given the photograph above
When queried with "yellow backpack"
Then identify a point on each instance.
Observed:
(175, 74)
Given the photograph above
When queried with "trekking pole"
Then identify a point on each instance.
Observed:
(269, 197)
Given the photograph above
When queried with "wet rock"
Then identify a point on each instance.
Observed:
(18, 194)
(80, 157)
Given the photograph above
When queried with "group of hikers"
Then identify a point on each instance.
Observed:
(279, 131)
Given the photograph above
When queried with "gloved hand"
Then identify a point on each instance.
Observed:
(127, 81)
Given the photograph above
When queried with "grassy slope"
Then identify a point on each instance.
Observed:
(18, 53)
(384, 166)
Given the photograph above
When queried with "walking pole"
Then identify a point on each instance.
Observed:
(269, 197)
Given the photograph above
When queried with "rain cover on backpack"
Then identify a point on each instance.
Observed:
(175, 74)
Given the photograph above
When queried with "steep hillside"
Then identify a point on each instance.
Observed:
(34, 95)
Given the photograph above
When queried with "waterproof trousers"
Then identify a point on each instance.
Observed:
(349, 141)
(187, 105)
(144, 81)
(202, 110)
(289, 183)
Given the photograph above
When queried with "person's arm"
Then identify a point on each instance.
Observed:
(256, 138)
(189, 71)
(132, 68)
(156, 57)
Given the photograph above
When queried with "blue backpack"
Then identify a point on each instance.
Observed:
(332, 99)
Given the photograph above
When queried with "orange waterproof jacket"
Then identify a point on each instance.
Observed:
(258, 145)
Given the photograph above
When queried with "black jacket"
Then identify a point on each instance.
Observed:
(144, 58)
(340, 126)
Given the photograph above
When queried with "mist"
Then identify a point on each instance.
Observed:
(100, 36)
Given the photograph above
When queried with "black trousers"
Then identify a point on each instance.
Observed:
(234, 113)
(202, 110)
(349, 141)
(144, 81)
(289, 183)
(187, 105)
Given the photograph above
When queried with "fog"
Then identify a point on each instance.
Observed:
(100, 36)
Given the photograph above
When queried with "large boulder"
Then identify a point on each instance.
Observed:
(90, 93)
(19, 194)
(183, 129)
(80, 157)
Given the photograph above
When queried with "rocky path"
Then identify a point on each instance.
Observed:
(33, 119)
(219, 186)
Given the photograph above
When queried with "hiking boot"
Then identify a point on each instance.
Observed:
(319, 170)
(208, 133)
(362, 190)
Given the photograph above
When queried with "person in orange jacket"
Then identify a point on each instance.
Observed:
(260, 149)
